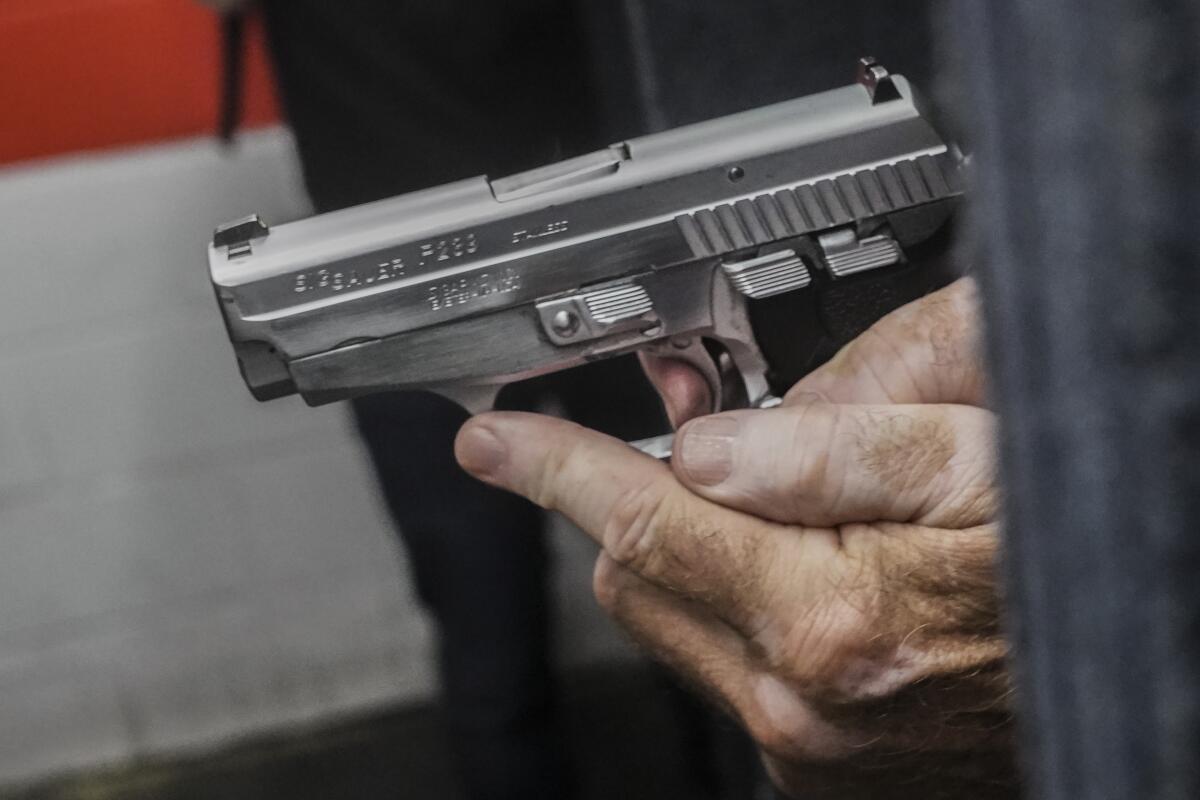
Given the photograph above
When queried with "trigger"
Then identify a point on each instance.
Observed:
(726, 388)
(691, 351)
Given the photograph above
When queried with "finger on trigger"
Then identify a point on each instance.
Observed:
(823, 464)
(684, 391)
(925, 352)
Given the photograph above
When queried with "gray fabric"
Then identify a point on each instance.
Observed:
(1085, 118)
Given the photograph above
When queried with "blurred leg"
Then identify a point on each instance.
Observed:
(386, 96)
(479, 560)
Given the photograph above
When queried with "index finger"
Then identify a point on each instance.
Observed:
(643, 517)
(684, 392)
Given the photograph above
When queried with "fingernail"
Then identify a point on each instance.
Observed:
(479, 451)
(706, 451)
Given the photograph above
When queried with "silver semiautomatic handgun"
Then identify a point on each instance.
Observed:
(751, 246)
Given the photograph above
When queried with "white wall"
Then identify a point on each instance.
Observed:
(179, 564)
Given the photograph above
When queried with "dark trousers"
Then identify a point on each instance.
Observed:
(387, 96)
(479, 559)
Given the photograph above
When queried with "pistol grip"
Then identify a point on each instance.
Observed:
(799, 331)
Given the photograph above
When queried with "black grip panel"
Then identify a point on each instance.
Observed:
(799, 331)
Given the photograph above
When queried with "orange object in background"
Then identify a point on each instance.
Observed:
(91, 74)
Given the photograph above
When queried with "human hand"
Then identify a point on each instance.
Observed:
(824, 570)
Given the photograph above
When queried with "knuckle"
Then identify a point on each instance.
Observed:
(969, 496)
(945, 326)
(840, 632)
(771, 737)
(658, 535)
(820, 647)
(546, 488)
(977, 559)
(607, 585)
(974, 503)
(945, 583)
(791, 729)
(805, 453)
(631, 533)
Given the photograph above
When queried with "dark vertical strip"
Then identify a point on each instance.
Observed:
(793, 212)
(645, 76)
(1086, 115)
(854, 196)
(233, 66)
(769, 208)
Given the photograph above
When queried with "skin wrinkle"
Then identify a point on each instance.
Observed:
(954, 330)
(607, 583)
(641, 608)
(768, 642)
(900, 357)
(941, 322)
(942, 326)
(813, 652)
(813, 467)
(856, 552)
(972, 497)
(551, 467)
(709, 559)
(710, 548)
(629, 533)
(819, 644)
(864, 367)
(944, 335)
(976, 501)
(782, 648)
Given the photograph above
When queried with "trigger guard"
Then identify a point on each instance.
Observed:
(696, 355)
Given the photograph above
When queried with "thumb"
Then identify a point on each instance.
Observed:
(822, 464)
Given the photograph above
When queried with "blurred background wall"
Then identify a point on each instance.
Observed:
(179, 566)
